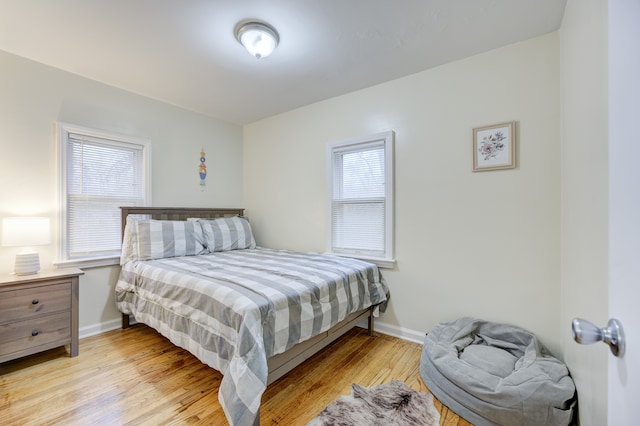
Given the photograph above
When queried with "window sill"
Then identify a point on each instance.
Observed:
(94, 262)
(380, 262)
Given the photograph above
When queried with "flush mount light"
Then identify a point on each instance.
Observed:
(259, 38)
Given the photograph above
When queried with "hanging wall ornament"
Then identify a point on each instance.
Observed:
(203, 170)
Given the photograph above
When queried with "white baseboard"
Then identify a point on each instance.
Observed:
(92, 330)
(400, 332)
(380, 327)
(395, 331)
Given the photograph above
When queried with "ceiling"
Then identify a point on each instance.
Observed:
(184, 52)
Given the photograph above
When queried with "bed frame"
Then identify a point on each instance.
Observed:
(280, 364)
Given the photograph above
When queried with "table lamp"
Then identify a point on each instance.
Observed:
(26, 232)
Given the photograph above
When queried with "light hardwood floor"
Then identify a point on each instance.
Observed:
(137, 377)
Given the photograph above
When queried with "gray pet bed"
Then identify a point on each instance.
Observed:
(496, 374)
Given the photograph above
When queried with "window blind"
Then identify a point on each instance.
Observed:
(102, 175)
(359, 199)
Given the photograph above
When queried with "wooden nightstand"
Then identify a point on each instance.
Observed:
(38, 312)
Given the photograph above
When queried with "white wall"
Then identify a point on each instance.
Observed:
(583, 53)
(484, 244)
(33, 97)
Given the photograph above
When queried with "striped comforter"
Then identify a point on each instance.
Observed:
(234, 309)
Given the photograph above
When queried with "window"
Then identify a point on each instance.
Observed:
(361, 198)
(99, 172)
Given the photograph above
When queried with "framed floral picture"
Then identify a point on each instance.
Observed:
(494, 147)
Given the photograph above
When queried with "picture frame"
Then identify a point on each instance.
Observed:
(494, 147)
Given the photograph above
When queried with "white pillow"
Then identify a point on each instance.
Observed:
(129, 241)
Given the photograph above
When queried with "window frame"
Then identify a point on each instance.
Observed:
(387, 139)
(63, 132)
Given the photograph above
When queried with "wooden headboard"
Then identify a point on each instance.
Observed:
(177, 213)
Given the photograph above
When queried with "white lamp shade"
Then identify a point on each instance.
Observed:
(25, 231)
(258, 38)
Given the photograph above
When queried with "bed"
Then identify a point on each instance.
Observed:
(252, 313)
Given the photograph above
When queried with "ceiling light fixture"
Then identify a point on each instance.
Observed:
(259, 38)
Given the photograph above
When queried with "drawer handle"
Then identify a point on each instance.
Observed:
(35, 301)
(34, 333)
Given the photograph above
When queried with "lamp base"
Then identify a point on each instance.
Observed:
(27, 263)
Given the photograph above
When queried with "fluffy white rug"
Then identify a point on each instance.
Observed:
(389, 404)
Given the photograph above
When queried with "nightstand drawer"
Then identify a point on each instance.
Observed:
(38, 312)
(51, 330)
(33, 302)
